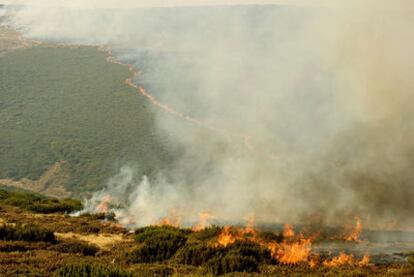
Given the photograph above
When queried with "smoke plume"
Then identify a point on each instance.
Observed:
(303, 110)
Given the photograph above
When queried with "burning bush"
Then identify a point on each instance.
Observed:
(207, 233)
(158, 244)
(87, 270)
(75, 247)
(27, 232)
(270, 236)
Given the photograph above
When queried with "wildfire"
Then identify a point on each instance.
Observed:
(355, 232)
(345, 259)
(203, 221)
(103, 207)
(294, 252)
(227, 236)
(172, 219)
(288, 231)
(249, 229)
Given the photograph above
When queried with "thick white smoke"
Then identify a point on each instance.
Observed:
(312, 106)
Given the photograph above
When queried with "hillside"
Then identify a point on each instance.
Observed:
(68, 120)
(62, 245)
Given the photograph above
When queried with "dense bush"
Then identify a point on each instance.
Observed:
(21, 246)
(27, 232)
(250, 249)
(101, 216)
(153, 270)
(158, 244)
(207, 233)
(232, 263)
(38, 203)
(75, 247)
(242, 256)
(196, 254)
(270, 236)
(90, 270)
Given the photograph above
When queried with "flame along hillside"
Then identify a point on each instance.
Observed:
(62, 245)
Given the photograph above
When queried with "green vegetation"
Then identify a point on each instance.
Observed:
(207, 233)
(157, 244)
(38, 203)
(71, 105)
(90, 270)
(26, 232)
(75, 247)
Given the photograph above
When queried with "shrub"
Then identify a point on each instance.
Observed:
(101, 216)
(153, 270)
(196, 254)
(158, 244)
(38, 203)
(75, 247)
(20, 246)
(27, 232)
(90, 270)
(207, 233)
(270, 236)
(232, 263)
(241, 256)
(250, 249)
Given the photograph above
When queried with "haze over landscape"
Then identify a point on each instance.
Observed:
(293, 112)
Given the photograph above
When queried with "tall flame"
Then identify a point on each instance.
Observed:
(204, 218)
(172, 219)
(355, 232)
(345, 259)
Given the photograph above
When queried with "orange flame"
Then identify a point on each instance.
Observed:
(103, 207)
(227, 236)
(203, 221)
(355, 232)
(345, 259)
(288, 231)
(249, 229)
(173, 219)
(294, 252)
(365, 261)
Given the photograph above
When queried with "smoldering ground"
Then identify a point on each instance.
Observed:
(309, 108)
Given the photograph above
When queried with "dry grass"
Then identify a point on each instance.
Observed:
(102, 240)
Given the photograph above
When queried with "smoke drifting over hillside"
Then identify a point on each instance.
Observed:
(312, 106)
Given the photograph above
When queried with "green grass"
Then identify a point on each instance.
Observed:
(37, 203)
(70, 104)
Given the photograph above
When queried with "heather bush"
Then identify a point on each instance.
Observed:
(232, 263)
(196, 254)
(153, 270)
(75, 247)
(26, 232)
(157, 244)
(90, 270)
(207, 233)
(38, 203)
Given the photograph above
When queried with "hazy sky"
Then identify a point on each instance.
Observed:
(155, 3)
